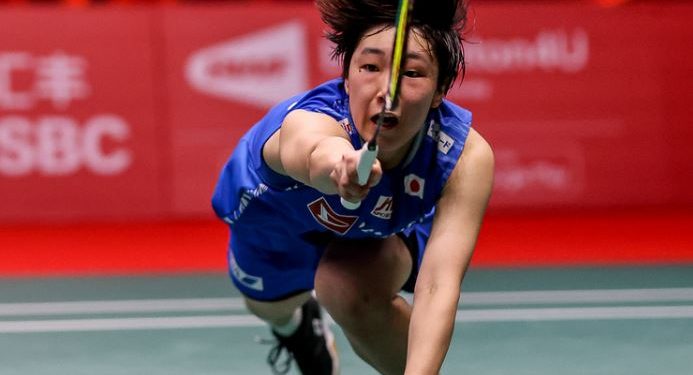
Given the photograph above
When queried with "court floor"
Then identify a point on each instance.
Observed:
(581, 320)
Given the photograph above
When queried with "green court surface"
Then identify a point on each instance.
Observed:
(618, 320)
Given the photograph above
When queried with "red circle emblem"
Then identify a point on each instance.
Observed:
(414, 186)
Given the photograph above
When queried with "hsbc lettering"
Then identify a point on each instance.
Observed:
(55, 144)
(59, 146)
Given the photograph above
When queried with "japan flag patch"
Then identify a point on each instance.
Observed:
(414, 185)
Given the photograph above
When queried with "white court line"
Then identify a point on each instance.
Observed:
(578, 296)
(123, 324)
(575, 313)
(122, 306)
(225, 321)
(234, 304)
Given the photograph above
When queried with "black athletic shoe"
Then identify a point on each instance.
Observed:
(311, 346)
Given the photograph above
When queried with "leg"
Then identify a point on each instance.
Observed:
(358, 282)
(310, 342)
(296, 321)
(277, 313)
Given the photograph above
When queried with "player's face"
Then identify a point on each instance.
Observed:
(367, 85)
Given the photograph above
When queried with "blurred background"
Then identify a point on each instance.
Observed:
(116, 117)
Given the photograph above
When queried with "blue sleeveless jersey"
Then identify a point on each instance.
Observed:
(267, 210)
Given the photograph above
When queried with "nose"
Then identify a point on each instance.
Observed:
(381, 95)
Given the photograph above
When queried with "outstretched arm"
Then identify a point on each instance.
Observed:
(456, 225)
(313, 148)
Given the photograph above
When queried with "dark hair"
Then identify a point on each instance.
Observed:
(440, 22)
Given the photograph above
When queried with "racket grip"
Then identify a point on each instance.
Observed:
(363, 171)
(350, 205)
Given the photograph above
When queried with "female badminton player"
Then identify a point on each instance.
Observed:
(309, 231)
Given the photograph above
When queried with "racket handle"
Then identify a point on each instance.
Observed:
(363, 171)
(350, 205)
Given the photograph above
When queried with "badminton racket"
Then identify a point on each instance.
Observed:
(369, 151)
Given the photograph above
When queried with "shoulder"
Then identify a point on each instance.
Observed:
(477, 157)
(477, 149)
(450, 125)
(322, 111)
(454, 113)
(329, 98)
(473, 172)
(325, 104)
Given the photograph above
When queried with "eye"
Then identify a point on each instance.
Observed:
(412, 74)
(369, 68)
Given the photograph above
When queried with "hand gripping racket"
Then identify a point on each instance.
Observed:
(369, 151)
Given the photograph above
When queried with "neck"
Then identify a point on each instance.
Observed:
(392, 159)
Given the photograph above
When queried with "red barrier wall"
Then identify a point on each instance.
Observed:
(128, 113)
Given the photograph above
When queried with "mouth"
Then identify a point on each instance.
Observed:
(389, 120)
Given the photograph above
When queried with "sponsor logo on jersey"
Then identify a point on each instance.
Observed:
(252, 282)
(383, 209)
(346, 125)
(260, 69)
(414, 185)
(247, 196)
(328, 218)
(445, 141)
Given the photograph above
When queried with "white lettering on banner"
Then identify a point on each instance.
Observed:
(54, 145)
(546, 174)
(58, 146)
(550, 50)
(472, 88)
(58, 78)
(557, 173)
(56, 140)
(16, 155)
(97, 129)
(9, 64)
(261, 69)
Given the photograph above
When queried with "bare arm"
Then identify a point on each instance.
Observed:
(456, 225)
(313, 148)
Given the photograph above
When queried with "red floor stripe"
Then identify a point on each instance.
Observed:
(200, 246)
(586, 239)
(114, 249)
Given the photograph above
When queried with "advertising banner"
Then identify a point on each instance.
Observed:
(575, 102)
(78, 125)
(578, 103)
(225, 67)
(130, 112)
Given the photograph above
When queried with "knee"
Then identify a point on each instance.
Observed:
(356, 281)
(277, 312)
(350, 306)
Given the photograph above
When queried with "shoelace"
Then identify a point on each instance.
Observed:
(279, 367)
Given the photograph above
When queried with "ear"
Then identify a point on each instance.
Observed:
(346, 85)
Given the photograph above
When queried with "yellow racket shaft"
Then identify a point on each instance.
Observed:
(398, 50)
